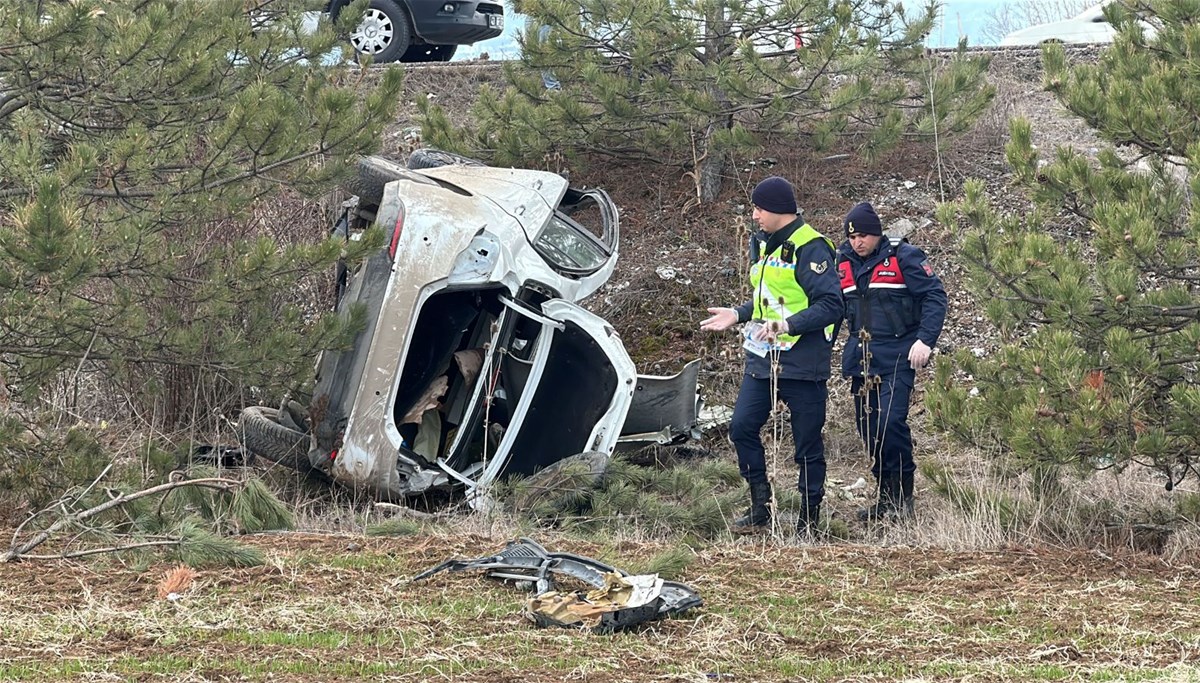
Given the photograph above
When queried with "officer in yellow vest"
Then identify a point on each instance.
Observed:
(794, 306)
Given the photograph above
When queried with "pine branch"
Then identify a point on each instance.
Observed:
(16, 552)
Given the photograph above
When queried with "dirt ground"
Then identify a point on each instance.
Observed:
(329, 608)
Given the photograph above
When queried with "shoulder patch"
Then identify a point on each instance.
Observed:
(819, 268)
(927, 268)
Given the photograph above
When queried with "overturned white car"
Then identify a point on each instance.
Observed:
(476, 361)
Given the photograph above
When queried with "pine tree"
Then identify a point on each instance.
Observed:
(688, 82)
(1095, 291)
(136, 139)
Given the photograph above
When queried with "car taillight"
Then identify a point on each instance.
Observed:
(396, 233)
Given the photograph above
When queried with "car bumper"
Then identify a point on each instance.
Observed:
(468, 22)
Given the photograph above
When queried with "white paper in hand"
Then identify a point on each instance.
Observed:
(758, 348)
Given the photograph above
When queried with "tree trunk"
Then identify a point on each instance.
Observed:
(710, 175)
(709, 169)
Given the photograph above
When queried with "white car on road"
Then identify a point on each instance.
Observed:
(1089, 26)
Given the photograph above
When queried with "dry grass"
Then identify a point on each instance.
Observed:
(332, 608)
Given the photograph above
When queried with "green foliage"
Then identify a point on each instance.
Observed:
(686, 82)
(669, 564)
(37, 467)
(200, 547)
(114, 514)
(1094, 291)
(685, 499)
(249, 508)
(1188, 506)
(136, 138)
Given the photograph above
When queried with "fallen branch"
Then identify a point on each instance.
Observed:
(100, 551)
(16, 552)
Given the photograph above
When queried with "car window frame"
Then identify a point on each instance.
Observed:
(604, 244)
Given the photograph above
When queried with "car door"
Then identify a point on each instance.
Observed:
(569, 394)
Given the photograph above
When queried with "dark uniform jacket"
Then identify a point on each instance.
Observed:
(810, 358)
(895, 294)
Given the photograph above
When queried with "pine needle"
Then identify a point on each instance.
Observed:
(176, 581)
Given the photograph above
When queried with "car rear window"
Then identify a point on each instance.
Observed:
(568, 247)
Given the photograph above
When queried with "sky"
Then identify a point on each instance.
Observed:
(960, 17)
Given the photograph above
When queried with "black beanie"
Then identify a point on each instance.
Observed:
(862, 221)
(775, 195)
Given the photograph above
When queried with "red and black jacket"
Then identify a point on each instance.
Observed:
(896, 296)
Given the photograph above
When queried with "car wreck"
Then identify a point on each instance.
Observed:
(614, 600)
(477, 360)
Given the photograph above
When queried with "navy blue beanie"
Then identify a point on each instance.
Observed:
(775, 195)
(862, 221)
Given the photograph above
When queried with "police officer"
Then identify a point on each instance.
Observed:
(895, 307)
(794, 306)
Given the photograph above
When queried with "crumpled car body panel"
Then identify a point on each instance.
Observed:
(490, 262)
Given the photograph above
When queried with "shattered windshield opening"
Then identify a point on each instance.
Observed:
(568, 248)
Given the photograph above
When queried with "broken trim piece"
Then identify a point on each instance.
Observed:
(525, 560)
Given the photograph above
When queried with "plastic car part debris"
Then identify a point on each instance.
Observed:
(623, 601)
(526, 561)
(224, 456)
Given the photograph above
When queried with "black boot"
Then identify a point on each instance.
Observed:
(906, 495)
(888, 506)
(758, 516)
(808, 524)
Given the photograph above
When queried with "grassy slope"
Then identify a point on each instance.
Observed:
(333, 608)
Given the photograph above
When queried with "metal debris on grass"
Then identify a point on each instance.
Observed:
(614, 601)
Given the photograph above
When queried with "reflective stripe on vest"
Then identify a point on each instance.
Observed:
(777, 295)
(885, 275)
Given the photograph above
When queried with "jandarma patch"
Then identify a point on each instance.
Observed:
(819, 268)
(927, 268)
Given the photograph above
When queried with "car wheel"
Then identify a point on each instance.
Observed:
(373, 174)
(432, 158)
(262, 433)
(384, 32)
(429, 53)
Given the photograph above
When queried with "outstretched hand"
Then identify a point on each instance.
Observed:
(721, 319)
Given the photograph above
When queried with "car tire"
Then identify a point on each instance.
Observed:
(385, 32)
(262, 434)
(373, 174)
(429, 53)
(432, 158)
